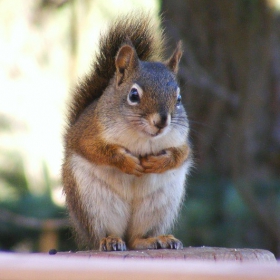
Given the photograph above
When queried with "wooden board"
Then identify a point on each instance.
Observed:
(88, 266)
(188, 253)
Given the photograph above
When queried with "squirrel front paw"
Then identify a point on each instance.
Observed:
(112, 243)
(168, 159)
(159, 242)
(130, 164)
(157, 163)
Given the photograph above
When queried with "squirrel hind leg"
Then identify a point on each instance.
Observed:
(159, 242)
(112, 243)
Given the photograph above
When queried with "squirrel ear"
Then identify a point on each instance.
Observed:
(173, 62)
(126, 61)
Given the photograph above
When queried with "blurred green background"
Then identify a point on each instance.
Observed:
(230, 76)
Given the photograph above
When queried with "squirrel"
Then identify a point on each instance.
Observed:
(126, 144)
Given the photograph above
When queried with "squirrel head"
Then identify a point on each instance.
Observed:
(127, 61)
(148, 93)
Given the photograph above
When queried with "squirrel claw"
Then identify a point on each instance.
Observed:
(159, 242)
(112, 243)
(137, 171)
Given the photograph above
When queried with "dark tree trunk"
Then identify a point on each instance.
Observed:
(228, 71)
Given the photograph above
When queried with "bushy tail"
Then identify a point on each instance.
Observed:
(148, 41)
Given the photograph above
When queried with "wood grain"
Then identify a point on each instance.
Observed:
(188, 253)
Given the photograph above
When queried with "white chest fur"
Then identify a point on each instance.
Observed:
(126, 186)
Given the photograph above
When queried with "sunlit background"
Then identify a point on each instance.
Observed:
(45, 47)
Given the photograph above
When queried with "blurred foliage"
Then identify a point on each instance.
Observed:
(12, 173)
(16, 198)
(26, 204)
(214, 214)
(5, 123)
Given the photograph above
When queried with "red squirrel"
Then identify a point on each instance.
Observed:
(126, 143)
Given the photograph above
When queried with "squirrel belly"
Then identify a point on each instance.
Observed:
(118, 204)
(126, 143)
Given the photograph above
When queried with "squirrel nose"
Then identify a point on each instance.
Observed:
(162, 122)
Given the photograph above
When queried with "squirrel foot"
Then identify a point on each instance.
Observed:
(159, 242)
(112, 243)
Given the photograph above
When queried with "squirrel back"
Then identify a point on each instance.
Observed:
(139, 29)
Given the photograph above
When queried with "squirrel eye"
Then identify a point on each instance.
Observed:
(179, 97)
(133, 96)
(179, 100)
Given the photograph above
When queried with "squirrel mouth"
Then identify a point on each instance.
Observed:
(156, 134)
(150, 134)
(153, 131)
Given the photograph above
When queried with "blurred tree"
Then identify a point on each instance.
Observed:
(232, 88)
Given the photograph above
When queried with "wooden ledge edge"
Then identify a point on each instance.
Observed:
(62, 267)
(187, 253)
